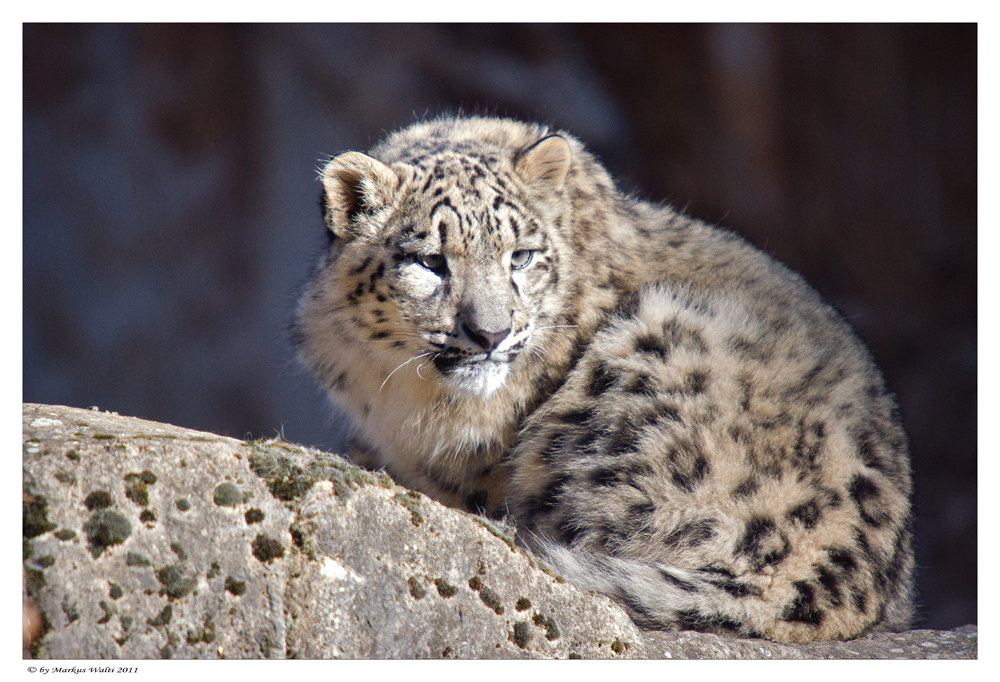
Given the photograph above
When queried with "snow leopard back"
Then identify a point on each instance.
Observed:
(672, 417)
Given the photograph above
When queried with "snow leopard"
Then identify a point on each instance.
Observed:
(670, 416)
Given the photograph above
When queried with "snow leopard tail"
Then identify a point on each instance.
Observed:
(662, 597)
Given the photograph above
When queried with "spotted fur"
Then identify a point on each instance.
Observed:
(672, 417)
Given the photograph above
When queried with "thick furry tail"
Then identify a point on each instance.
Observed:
(662, 597)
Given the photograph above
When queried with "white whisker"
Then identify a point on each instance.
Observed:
(550, 327)
(415, 357)
(418, 370)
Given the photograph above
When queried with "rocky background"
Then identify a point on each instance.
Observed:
(170, 200)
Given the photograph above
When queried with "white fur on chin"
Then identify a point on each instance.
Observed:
(480, 379)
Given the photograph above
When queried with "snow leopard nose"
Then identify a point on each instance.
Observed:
(487, 340)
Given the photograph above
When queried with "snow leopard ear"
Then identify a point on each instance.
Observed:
(356, 185)
(547, 161)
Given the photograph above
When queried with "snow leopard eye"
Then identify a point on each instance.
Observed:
(433, 261)
(521, 258)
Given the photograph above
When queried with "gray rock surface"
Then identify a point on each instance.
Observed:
(390, 573)
(144, 540)
(960, 643)
(149, 541)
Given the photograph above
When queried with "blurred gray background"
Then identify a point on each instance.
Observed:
(171, 201)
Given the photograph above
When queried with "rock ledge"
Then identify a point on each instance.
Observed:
(144, 540)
